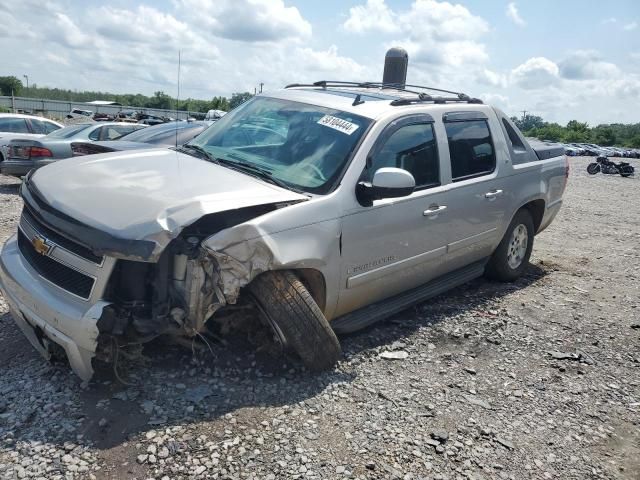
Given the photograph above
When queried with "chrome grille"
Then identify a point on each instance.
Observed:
(61, 240)
(55, 272)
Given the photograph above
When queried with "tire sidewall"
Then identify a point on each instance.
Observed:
(498, 267)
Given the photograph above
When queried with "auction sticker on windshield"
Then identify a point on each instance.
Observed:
(339, 124)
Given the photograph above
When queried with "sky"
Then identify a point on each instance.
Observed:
(562, 60)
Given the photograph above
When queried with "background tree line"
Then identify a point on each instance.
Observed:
(157, 100)
(620, 134)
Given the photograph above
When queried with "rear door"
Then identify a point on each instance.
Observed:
(396, 243)
(14, 125)
(477, 199)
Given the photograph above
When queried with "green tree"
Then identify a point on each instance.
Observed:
(578, 126)
(10, 85)
(160, 100)
(239, 99)
(604, 135)
(219, 103)
(528, 122)
(576, 136)
(549, 131)
(634, 142)
(576, 132)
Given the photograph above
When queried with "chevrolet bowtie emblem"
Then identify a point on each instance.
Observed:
(40, 245)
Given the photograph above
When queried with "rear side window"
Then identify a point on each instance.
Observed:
(13, 125)
(412, 148)
(516, 143)
(42, 127)
(470, 148)
(50, 127)
(37, 126)
(95, 135)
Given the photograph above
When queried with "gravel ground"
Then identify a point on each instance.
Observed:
(536, 379)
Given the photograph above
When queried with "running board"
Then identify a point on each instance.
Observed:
(375, 312)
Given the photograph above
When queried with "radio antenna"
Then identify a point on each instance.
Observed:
(178, 98)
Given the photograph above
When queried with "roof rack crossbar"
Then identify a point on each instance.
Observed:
(394, 86)
(422, 96)
(409, 101)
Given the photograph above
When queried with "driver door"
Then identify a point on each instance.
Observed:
(396, 243)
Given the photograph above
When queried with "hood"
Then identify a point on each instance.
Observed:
(148, 194)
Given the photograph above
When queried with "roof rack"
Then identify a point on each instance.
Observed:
(421, 96)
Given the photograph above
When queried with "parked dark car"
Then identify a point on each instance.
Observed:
(163, 135)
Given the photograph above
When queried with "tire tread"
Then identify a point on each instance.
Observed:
(287, 302)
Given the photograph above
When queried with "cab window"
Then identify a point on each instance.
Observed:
(470, 149)
(411, 148)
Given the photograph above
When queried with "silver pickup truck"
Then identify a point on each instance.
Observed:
(326, 207)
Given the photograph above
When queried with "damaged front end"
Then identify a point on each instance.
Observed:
(141, 294)
(179, 293)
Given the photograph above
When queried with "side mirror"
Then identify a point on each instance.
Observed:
(388, 182)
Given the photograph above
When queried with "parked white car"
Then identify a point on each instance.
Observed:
(79, 113)
(213, 115)
(16, 126)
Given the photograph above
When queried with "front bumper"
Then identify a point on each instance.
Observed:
(46, 314)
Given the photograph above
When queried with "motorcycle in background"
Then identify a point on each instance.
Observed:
(606, 166)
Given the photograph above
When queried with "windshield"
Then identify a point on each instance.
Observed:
(304, 146)
(68, 132)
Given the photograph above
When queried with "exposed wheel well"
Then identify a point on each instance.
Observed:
(536, 209)
(314, 281)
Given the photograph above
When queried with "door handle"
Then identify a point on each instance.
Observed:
(434, 210)
(493, 194)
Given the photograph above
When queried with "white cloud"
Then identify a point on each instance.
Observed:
(67, 32)
(535, 73)
(230, 46)
(489, 77)
(586, 64)
(435, 33)
(442, 21)
(375, 15)
(496, 100)
(627, 88)
(630, 26)
(246, 20)
(514, 15)
(135, 49)
(609, 20)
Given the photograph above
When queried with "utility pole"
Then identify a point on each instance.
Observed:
(27, 78)
(524, 114)
(261, 84)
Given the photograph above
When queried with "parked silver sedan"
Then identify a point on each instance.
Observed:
(15, 125)
(26, 154)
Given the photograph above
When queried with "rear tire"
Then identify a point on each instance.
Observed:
(626, 170)
(593, 168)
(295, 318)
(511, 258)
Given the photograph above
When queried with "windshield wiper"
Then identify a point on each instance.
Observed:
(202, 153)
(263, 173)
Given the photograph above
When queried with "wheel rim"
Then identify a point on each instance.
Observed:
(517, 246)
